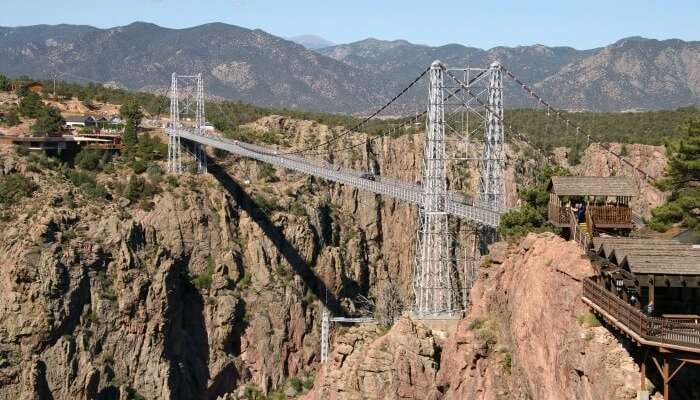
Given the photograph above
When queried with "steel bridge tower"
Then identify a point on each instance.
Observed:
(492, 185)
(432, 280)
(191, 94)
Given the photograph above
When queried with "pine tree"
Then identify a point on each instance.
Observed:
(48, 121)
(31, 105)
(682, 180)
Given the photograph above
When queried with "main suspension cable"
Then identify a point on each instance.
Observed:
(363, 122)
(557, 114)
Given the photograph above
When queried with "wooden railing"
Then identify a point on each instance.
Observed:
(652, 329)
(591, 226)
(558, 214)
(576, 233)
(604, 216)
(610, 215)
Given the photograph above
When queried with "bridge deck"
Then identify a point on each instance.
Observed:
(383, 186)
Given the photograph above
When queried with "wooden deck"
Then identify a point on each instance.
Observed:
(608, 216)
(667, 333)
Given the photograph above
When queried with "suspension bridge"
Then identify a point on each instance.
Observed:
(451, 91)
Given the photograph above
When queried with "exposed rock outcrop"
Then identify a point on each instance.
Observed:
(521, 340)
(366, 365)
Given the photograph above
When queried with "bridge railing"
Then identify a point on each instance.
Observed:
(653, 329)
(577, 234)
(407, 192)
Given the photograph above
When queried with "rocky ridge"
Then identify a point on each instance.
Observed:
(521, 340)
(216, 285)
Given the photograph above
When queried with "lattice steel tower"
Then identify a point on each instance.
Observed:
(189, 94)
(492, 185)
(432, 281)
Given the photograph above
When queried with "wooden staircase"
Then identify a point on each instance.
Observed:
(583, 226)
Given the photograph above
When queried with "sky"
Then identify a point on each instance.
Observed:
(485, 24)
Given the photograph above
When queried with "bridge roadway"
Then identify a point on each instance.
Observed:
(456, 205)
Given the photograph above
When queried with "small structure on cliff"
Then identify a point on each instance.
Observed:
(588, 205)
(649, 289)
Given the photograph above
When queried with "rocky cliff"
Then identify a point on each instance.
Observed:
(213, 286)
(521, 340)
(214, 283)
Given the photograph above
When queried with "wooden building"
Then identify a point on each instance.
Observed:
(606, 199)
(649, 289)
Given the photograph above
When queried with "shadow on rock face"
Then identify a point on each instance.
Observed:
(276, 236)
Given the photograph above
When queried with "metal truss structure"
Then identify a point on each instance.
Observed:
(186, 112)
(432, 279)
(492, 188)
(458, 131)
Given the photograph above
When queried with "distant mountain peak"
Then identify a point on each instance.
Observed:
(254, 66)
(312, 42)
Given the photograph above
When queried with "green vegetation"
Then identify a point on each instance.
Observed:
(14, 187)
(682, 180)
(652, 127)
(245, 280)
(87, 183)
(88, 160)
(139, 189)
(296, 384)
(267, 203)
(485, 329)
(11, 117)
(4, 83)
(30, 105)
(507, 362)
(588, 320)
(266, 172)
(48, 121)
(132, 113)
(203, 280)
(532, 215)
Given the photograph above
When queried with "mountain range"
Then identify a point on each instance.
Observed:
(312, 42)
(257, 67)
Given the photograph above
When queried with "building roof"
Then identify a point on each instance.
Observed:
(650, 256)
(75, 118)
(593, 186)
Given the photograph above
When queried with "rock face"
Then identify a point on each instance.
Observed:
(216, 283)
(400, 364)
(520, 340)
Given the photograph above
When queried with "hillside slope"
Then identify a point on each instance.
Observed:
(260, 68)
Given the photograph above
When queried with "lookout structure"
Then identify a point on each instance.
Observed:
(648, 289)
(589, 205)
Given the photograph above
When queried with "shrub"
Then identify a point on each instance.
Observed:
(575, 153)
(87, 183)
(137, 188)
(266, 204)
(245, 280)
(31, 105)
(266, 172)
(588, 320)
(296, 384)
(49, 120)
(508, 361)
(203, 280)
(12, 118)
(88, 160)
(15, 187)
(138, 166)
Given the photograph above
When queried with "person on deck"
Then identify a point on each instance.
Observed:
(581, 213)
